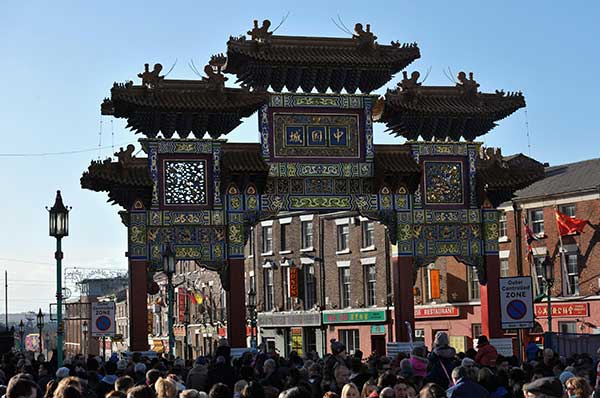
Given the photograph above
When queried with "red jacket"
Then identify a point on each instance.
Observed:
(486, 355)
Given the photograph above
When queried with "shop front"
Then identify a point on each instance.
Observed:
(358, 329)
(291, 331)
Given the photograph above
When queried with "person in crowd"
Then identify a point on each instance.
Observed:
(139, 374)
(124, 383)
(464, 387)
(165, 388)
(221, 371)
(219, 390)
(107, 383)
(544, 387)
(578, 387)
(140, 392)
(486, 353)
(21, 386)
(190, 393)
(402, 388)
(238, 387)
(441, 361)
(197, 377)
(387, 392)
(531, 351)
(432, 390)
(350, 391)
(368, 389)
(418, 361)
(341, 376)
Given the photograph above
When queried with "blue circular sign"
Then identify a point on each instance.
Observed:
(516, 309)
(103, 323)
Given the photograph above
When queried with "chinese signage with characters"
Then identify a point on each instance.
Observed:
(563, 310)
(294, 282)
(354, 317)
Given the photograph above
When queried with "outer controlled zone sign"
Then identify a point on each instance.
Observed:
(516, 302)
(103, 319)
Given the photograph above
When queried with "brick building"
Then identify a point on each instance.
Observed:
(344, 272)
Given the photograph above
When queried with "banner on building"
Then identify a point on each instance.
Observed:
(294, 282)
(181, 295)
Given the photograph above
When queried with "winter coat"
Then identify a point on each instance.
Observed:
(441, 364)
(197, 378)
(466, 388)
(486, 355)
(419, 366)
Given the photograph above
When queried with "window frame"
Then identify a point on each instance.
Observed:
(370, 278)
(306, 235)
(345, 283)
(310, 286)
(269, 288)
(567, 324)
(537, 224)
(283, 234)
(504, 270)
(343, 238)
(473, 291)
(367, 234)
(502, 227)
(285, 287)
(267, 240)
(572, 278)
(350, 338)
(566, 209)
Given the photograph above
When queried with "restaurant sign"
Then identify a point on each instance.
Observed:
(563, 310)
(354, 317)
(436, 312)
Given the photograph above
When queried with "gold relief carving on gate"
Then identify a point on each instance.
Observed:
(184, 147)
(323, 101)
(320, 202)
(138, 234)
(187, 252)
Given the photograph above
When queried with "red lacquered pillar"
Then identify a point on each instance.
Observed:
(404, 305)
(236, 304)
(490, 298)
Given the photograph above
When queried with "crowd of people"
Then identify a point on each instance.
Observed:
(442, 372)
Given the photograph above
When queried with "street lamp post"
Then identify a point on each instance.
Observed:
(84, 331)
(169, 270)
(548, 266)
(40, 325)
(59, 228)
(186, 324)
(252, 311)
(21, 334)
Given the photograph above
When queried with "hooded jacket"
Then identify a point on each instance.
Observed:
(441, 364)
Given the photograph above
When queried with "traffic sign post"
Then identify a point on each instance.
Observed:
(103, 319)
(516, 302)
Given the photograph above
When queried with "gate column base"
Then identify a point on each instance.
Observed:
(490, 298)
(236, 304)
(138, 306)
(404, 305)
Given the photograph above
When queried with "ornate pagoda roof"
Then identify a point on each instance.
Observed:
(187, 107)
(500, 177)
(321, 63)
(440, 113)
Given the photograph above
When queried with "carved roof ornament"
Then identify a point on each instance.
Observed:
(364, 38)
(409, 83)
(261, 34)
(215, 79)
(469, 85)
(125, 156)
(151, 79)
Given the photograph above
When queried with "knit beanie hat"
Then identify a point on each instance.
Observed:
(337, 347)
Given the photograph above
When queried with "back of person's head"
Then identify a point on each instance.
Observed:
(432, 390)
(387, 392)
(294, 392)
(69, 392)
(441, 339)
(165, 388)
(487, 379)
(139, 368)
(253, 390)
(151, 376)
(124, 383)
(115, 394)
(189, 393)
(140, 392)
(219, 390)
(65, 388)
(239, 386)
(110, 367)
(459, 372)
(21, 387)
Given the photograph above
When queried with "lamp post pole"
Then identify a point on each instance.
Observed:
(59, 228)
(252, 310)
(548, 266)
(84, 330)
(40, 325)
(169, 269)
(21, 334)
(186, 324)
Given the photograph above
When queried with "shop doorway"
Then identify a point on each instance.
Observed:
(378, 345)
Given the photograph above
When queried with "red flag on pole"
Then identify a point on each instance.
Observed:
(569, 225)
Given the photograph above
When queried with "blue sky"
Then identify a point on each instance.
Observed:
(59, 59)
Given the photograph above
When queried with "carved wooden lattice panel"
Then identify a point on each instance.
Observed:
(185, 182)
